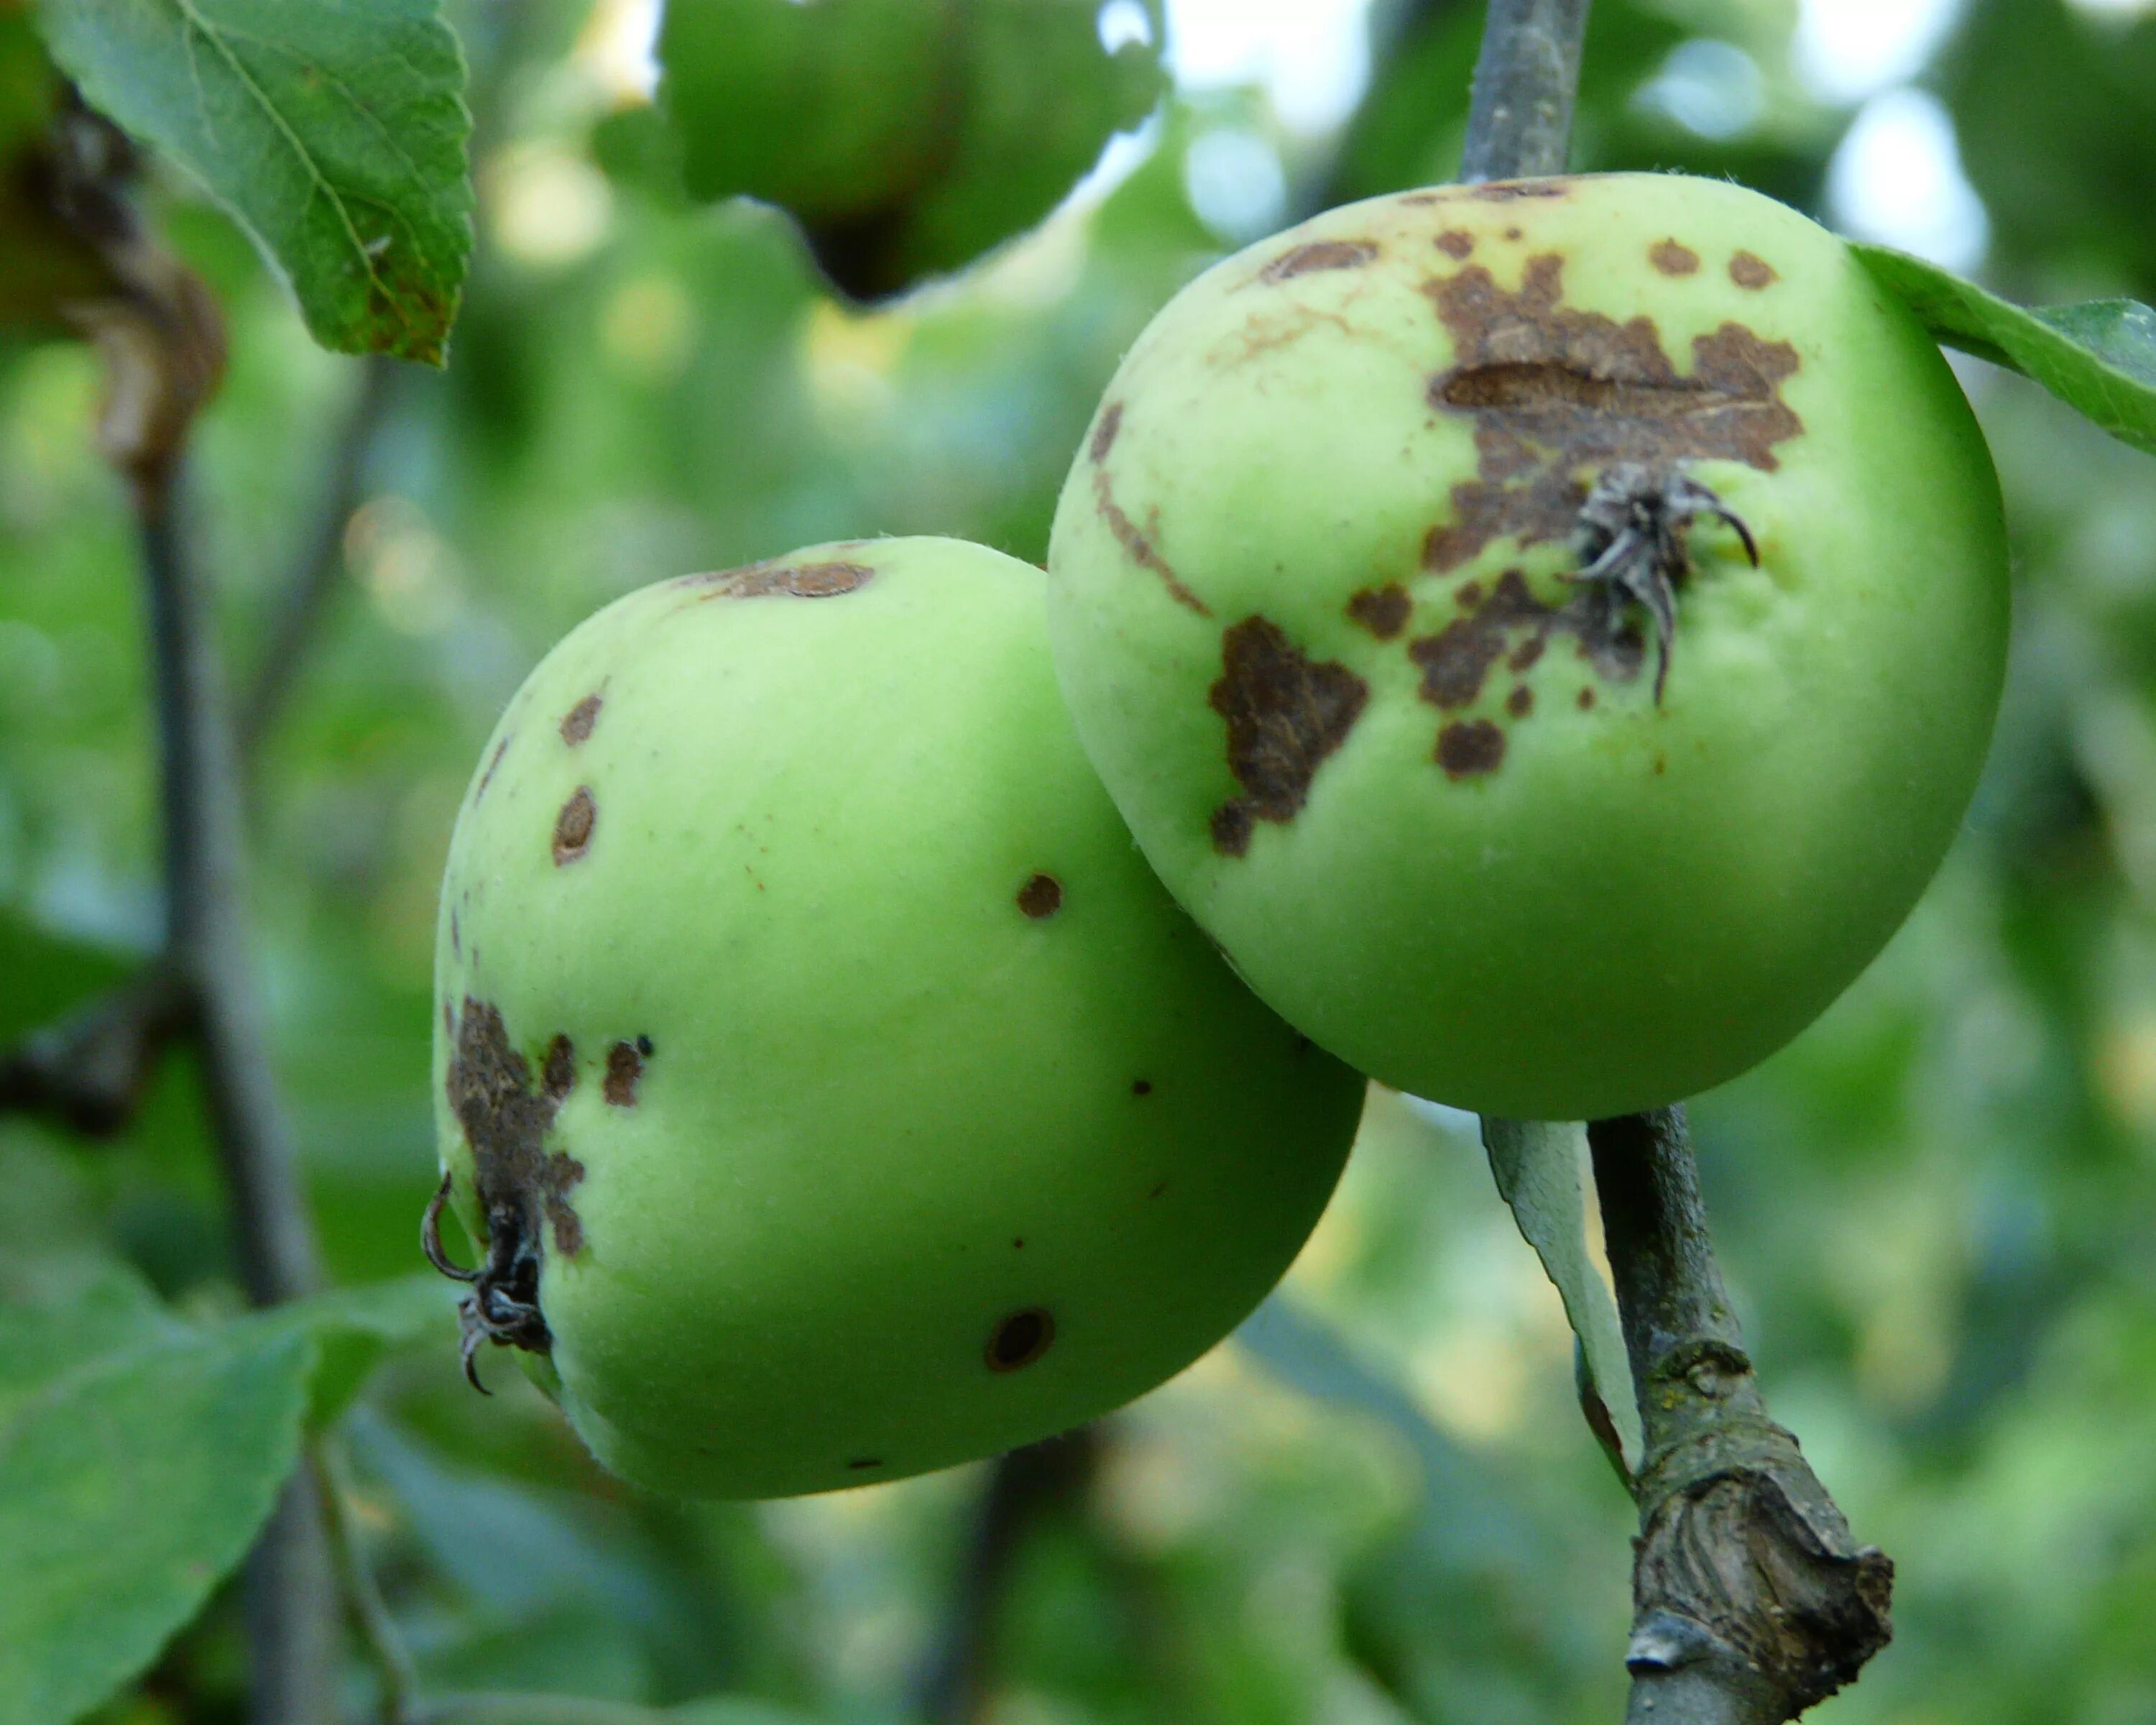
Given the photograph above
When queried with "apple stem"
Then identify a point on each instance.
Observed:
(1521, 120)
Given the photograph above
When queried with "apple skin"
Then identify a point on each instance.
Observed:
(1310, 605)
(872, 1106)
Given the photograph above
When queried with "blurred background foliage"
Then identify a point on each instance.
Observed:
(1378, 1503)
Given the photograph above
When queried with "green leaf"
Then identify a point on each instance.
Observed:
(2099, 356)
(128, 1487)
(335, 133)
(1537, 1165)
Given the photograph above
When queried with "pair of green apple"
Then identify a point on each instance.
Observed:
(1543, 635)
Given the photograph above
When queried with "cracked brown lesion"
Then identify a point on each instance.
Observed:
(1555, 395)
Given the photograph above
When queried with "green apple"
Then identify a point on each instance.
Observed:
(835, 1092)
(1404, 594)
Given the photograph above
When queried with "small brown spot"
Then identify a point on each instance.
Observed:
(577, 725)
(573, 826)
(1041, 897)
(1018, 1246)
(799, 581)
(1104, 434)
(1672, 259)
(643, 1046)
(1142, 1086)
(449, 1020)
(1285, 712)
(1748, 270)
(862, 1461)
(1382, 610)
(1511, 233)
(1466, 750)
(1527, 652)
(1507, 190)
(1456, 243)
(1662, 765)
(1138, 546)
(1158, 1190)
(494, 761)
(456, 938)
(1319, 254)
(624, 1066)
(1021, 1339)
(1422, 198)
(558, 1072)
(1586, 699)
(1469, 596)
(1521, 702)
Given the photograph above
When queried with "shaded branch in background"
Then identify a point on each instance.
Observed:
(89, 1070)
(306, 592)
(1751, 1601)
(1025, 1488)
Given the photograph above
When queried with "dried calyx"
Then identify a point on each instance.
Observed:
(503, 1305)
(1632, 541)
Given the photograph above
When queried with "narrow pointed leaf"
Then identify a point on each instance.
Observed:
(1538, 1164)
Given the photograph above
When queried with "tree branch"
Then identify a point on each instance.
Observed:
(306, 592)
(1751, 1601)
(1520, 119)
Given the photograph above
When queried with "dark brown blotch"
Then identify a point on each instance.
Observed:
(1456, 243)
(1470, 749)
(1521, 702)
(558, 1072)
(860, 1462)
(1586, 700)
(1382, 610)
(576, 723)
(1286, 713)
(1104, 434)
(573, 826)
(1142, 1086)
(1671, 259)
(1319, 254)
(1748, 270)
(1041, 897)
(1021, 1339)
(625, 1067)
